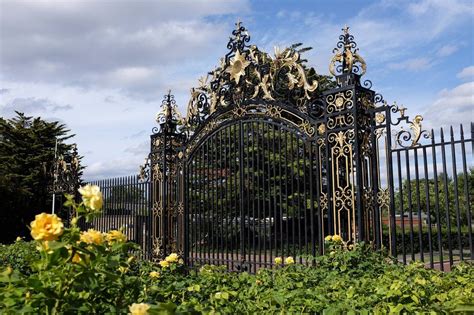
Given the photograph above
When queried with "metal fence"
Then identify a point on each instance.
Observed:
(267, 165)
(127, 207)
(433, 201)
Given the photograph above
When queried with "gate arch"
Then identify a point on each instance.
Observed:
(251, 188)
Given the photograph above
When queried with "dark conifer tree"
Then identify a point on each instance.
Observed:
(26, 162)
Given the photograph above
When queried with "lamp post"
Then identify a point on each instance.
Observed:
(54, 175)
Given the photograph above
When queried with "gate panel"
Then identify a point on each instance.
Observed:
(251, 196)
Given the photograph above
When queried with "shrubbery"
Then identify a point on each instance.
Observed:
(403, 240)
(91, 272)
(20, 255)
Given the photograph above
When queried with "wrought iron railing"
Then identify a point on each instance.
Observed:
(127, 207)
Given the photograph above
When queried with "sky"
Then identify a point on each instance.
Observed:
(102, 67)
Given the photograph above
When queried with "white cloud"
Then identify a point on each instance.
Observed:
(110, 44)
(32, 105)
(440, 14)
(142, 149)
(452, 107)
(466, 73)
(131, 75)
(113, 168)
(447, 50)
(416, 64)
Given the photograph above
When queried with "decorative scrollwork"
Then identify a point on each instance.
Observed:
(343, 186)
(246, 73)
(383, 198)
(321, 129)
(379, 118)
(407, 138)
(308, 128)
(65, 172)
(169, 110)
(274, 111)
(378, 99)
(144, 171)
(367, 84)
(340, 101)
(349, 61)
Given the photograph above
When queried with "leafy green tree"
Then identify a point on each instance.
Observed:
(441, 197)
(125, 198)
(26, 160)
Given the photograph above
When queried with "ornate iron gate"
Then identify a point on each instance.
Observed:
(271, 158)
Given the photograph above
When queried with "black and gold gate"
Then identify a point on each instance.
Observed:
(272, 157)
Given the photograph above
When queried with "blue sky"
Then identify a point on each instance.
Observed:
(102, 67)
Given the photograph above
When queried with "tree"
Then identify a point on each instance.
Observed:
(26, 160)
(442, 201)
(125, 198)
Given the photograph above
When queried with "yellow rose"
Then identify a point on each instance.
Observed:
(89, 190)
(278, 260)
(154, 274)
(92, 237)
(96, 202)
(289, 260)
(92, 197)
(115, 236)
(164, 264)
(172, 258)
(46, 227)
(337, 238)
(328, 238)
(139, 309)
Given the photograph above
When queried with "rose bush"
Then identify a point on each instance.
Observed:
(91, 272)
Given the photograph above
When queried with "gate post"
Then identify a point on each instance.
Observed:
(165, 165)
(350, 146)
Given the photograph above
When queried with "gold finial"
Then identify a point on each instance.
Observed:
(347, 58)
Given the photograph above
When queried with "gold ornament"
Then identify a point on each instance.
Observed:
(237, 66)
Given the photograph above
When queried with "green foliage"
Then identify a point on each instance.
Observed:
(357, 281)
(439, 198)
(123, 198)
(19, 255)
(348, 279)
(26, 157)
